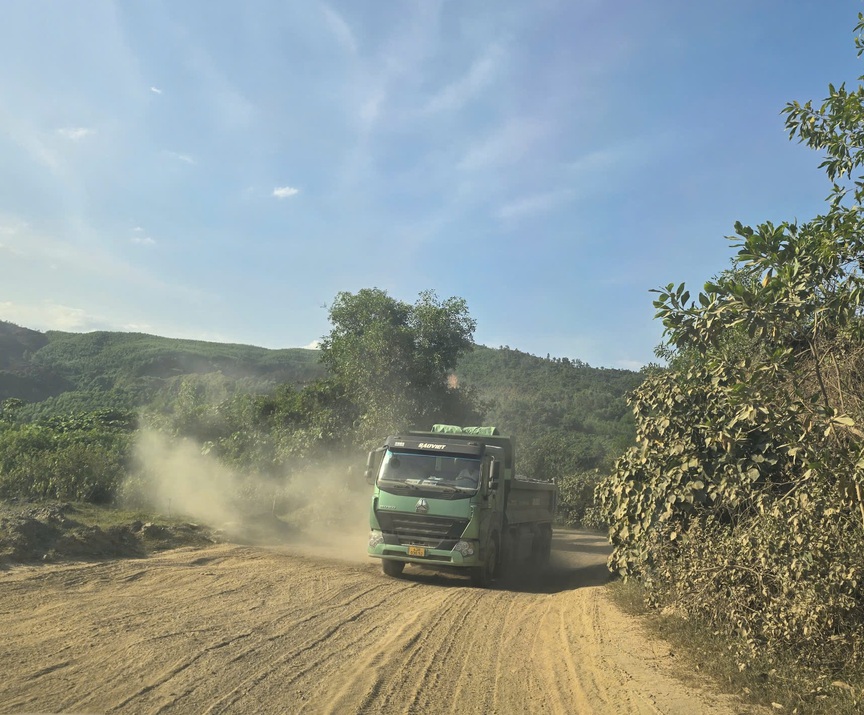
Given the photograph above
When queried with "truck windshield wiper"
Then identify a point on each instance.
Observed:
(444, 487)
(425, 484)
(398, 483)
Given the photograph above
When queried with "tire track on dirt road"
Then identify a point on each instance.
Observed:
(315, 645)
(271, 630)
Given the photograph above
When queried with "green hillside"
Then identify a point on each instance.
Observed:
(19, 376)
(82, 371)
(106, 359)
(568, 415)
(258, 408)
(523, 394)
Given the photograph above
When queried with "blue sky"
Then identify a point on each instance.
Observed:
(220, 170)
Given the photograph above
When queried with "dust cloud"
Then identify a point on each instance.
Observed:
(324, 510)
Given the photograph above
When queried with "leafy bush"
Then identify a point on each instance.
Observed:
(60, 462)
(742, 505)
(576, 500)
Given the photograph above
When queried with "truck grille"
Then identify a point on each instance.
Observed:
(435, 532)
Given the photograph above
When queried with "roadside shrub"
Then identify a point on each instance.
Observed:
(576, 500)
(39, 462)
(785, 581)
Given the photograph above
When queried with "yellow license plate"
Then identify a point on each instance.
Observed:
(416, 550)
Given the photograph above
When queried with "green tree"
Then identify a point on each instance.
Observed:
(10, 407)
(394, 359)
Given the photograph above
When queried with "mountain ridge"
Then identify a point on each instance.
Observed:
(547, 401)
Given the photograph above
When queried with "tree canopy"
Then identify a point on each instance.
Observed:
(395, 359)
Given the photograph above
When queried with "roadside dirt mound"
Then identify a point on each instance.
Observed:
(55, 532)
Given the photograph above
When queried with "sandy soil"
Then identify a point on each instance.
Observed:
(241, 629)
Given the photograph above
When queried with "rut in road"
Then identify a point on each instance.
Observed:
(232, 629)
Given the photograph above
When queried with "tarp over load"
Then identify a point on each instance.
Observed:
(455, 429)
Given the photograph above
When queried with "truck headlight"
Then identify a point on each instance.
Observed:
(375, 538)
(466, 548)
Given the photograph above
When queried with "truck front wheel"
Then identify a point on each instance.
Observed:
(483, 575)
(392, 568)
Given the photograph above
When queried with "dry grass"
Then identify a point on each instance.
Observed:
(784, 687)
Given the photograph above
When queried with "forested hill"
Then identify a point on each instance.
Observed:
(568, 416)
(101, 369)
(20, 375)
(555, 392)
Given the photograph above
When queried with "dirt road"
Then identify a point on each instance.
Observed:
(237, 629)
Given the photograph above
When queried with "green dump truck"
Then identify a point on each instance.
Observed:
(450, 499)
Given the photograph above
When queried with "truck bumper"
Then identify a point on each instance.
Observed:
(431, 557)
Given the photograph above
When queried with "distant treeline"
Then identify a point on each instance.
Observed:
(273, 413)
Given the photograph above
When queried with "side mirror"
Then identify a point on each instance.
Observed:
(373, 462)
(491, 470)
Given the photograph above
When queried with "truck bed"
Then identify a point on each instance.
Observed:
(530, 500)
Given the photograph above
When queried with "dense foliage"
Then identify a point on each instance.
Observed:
(571, 420)
(82, 458)
(742, 504)
(569, 417)
(394, 360)
(385, 365)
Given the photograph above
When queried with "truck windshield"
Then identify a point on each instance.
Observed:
(430, 471)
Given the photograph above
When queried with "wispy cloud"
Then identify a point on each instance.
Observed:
(10, 249)
(49, 315)
(505, 145)
(77, 251)
(383, 78)
(606, 159)
(11, 227)
(589, 174)
(341, 29)
(230, 107)
(455, 95)
(370, 108)
(185, 158)
(284, 192)
(75, 133)
(38, 150)
(12, 230)
(156, 90)
(525, 206)
(596, 171)
(140, 237)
